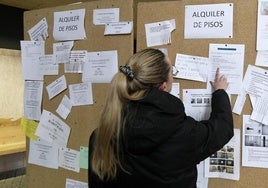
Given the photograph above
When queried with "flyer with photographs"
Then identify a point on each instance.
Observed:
(255, 143)
(197, 103)
(225, 163)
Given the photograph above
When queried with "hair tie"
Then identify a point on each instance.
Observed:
(127, 71)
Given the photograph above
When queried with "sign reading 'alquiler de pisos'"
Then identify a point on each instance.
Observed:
(209, 21)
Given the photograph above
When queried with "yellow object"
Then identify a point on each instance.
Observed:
(12, 139)
(29, 128)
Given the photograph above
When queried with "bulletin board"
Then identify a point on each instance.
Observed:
(82, 120)
(244, 32)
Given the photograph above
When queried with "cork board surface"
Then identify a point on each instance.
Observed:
(244, 32)
(82, 119)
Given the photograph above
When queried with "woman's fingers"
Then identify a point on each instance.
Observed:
(220, 81)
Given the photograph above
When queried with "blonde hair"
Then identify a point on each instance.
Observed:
(150, 70)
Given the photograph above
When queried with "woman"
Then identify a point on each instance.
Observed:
(145, 138)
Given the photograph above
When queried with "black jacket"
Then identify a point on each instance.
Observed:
(161, 146)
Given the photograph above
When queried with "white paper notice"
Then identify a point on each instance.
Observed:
(255, 143)
(262, 58)
(103, 16)
(197, 103)
(56, 87)
(230, 59)
(53, 129)
(209, 21)
(33, 91)
(30, 52)
(70, 183)
(62, 51)
(43, 154)
(64, 107)
(175, 90)
(262, 25)
(39, 31)
(81, 94)
(118, 28)
(253, 100)
(192, 67)
(164, 50)
(255, 81)
(255, 84)
(239, 103)
(159, 33)
(69, 159)
(47, 65)
(202, 181)
(76, 61)
(100, 67)
(225, 163)
(260, 110)
(69, 25)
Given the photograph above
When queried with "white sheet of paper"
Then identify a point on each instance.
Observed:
(239, 103)
(230, 59)
(62, 51)
(69, 25)
(260, 110)
(159, 33)
(100, 67)
(107, 15)
(225, 163)
(53, 129)
(209, 21)
(197, 103)
(64, 107)
(70, 183)
(33, 91)
(43, 153)
(56, 87)
(164, 50)
(175, 89)
(253, 100)
(47, 65)
(81, 94)
(76, 61)
(202, 181)
(255, 143)
(30, 52)
(192, 67)
(262, 58)
(69, 159)
(262, 25)
(118, 28)
(39, 31)
(255, 81)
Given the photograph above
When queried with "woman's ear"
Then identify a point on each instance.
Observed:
(163, 86)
